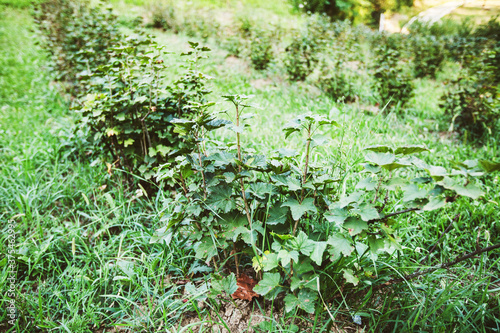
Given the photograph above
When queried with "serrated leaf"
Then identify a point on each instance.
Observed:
(489, 166)
(302, 243)
(471, 191)
(394, 183)
(437, 172)
(336, 215)
(407, 150)
(394, 166)
(317, 253)
(368, 183)
(220, 199)
(349, 276)
(353, 197)
(291, 302)
(277, 215)
(270, 261)
(355, 225)
(412, 192)
(227, 284)
(299, 209)
(372, 168)
(307, 300)
(286, 256)
(367, 212)
(206, 249)
(269, 282)
(380, 159)
(339, 245)
(435, 203)
(379, 149)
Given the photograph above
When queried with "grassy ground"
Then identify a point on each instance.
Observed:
(84, 259)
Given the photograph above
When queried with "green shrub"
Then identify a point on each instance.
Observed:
(76, 35)
(393, 81)
(428, 55)
(165, 16)
(130, 111)
(302, 54)
(126, 109)
(472, 103)
(489, 30)
(286, 215)
(261, 52)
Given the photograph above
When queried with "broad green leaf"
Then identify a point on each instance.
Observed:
(235, 223)
(355, 226)
(395, 165)
(267, 284)
(412, 192)
(222, 159)
(317, 253)
(307, 300)
(380, 159)
(286, 256)
(367, 212)
(353, 197)
(376, 245)
(303, 266)
(394, 183)
(407, 150)
(162, 234)
(128, 142)
(368, 183)
(227, 284)
(299, 209)
(471, 191)
(380, 149)
(350, 277)
(489, 166)
(302, 243)
(435, 203)
(221, 200)
(270, 261)
(437, 172)
(293, 184)
(291, 302)
(206, 249)
(336, 215)
(277, 215)
(339, 245)
(372, 168)
(260, 189)
(282, 152)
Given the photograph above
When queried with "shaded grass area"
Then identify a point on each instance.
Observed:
(84, 258)
(82, 236)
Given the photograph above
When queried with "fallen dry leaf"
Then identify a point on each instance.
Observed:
(245, 288)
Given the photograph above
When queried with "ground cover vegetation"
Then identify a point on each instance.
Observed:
(162, 202)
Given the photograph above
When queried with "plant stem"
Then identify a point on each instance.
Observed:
(242, 185)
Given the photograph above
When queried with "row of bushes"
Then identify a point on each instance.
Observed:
(284, 215)
(332, 56)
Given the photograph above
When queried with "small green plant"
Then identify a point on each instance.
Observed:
(472, 105)
(77, 36)
(261, 52)
(428, 55)
(300, 58)
(303, 53)
(129, 110)
(392, 78)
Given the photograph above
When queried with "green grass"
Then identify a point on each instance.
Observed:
(84, 256)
